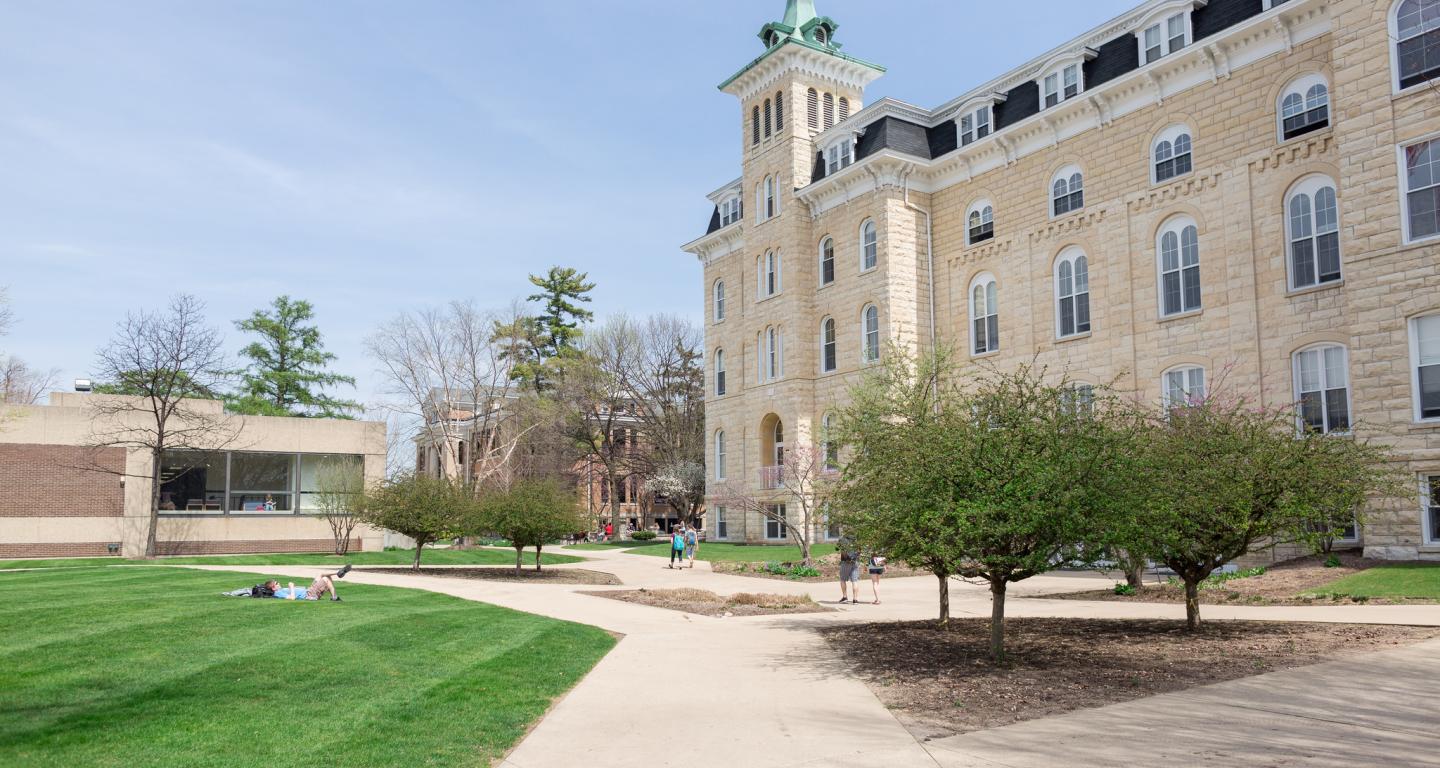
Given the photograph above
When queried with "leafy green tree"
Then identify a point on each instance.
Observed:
(287, 371)
(1007, 479)
(427, 509)
(530, 513)
(549, 340)
(1224, 477)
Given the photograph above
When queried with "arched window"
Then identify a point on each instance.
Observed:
(829, 111)
(869, 246)
(812, 109)
(1067, 191)
(870, 330)
(1171, 153)
(772, 207)
(719, 300)
(1417, 41)
(720, 454)
(779, 112)
(1322, 388)
(1183, 386)
(770, 277)
(1072, 293)
(1179, 258)
(829, 449)
(980, 222)
(827, 261)
(1304, 106)
(719, 372)
(767, 118)
(1312, 222)
(844, 109)
(755, 125)
(822, 35)
(774, 362)
(828, 356)
(984, 315)
(760, 202)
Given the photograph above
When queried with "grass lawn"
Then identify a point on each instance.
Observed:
(1402, 580)
(390, 557)
(152, 667)
(737, 553)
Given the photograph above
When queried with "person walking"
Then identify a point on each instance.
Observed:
(876, 566)
(677, 548)
(849, 570)
(692, 544)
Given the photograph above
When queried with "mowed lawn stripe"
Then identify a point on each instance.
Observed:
(385, 557)
(233, 682)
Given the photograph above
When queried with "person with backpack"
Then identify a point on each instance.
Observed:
(677, 547)
(876, 566)
(692, 544)
(849, 570)
(322, 585)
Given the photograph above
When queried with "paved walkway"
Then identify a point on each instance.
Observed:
(763, 691)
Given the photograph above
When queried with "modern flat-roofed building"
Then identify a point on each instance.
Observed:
(1194, 191)
(61, 496)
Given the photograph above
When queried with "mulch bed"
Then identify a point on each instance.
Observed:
(939, 681)
(828, 566)
(706, 603)
(1281, 584)
(528, 574)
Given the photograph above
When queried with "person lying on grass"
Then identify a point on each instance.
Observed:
(322, 585)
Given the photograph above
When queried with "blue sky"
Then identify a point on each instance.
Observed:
(374, 157)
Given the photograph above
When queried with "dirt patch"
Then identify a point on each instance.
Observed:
(1281, 584)
(827, 567)
(710, 604)
(939, 681)
(528, 575)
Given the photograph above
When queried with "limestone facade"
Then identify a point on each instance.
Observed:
(1257, 309)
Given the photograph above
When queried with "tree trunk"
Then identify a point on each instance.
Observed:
(537, 556)
(1192, 604)
(805, 552)
(519, 555)
(151, 545)
(997, 621)
(944, 598)
(419, 548)
(1135, 576)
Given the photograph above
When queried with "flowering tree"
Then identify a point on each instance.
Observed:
(800, 484)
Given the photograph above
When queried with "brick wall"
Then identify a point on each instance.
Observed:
(251, 546)
(68, 549)
(52, 481)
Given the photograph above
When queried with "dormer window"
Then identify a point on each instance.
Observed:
(1166, 31)
(1060, 84)
(729, 211)
(839, 156)
(822, 35)
(976, 125)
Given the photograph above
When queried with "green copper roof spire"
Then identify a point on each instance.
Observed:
(804, 27)
(797, 12)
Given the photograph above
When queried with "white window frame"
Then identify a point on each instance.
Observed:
(975, 124)
(827, 246)
(1415, 360)
(782, 532)
(718, 300)
(980, 207)
(1177, 225)
(839, 156)
(772, 200)
(771, 275)
(1068, 174)
(1188, 386)
(1405, 187)
(1170, 136)
(984, 313)
(1311, 187)
(721, 379)
(1061, 72)
(1430, 538)
(773, 362)
(1393, 22)
(1301, 86)
(1073, 257)
(1161, 20)
(722, 525)
(869, 336)
(729, 211)
(1297, 378)
(869, 245)
(829, 338)
(720, 455)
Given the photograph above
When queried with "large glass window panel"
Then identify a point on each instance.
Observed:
(343, 475)
(262, 482)
(192, 481)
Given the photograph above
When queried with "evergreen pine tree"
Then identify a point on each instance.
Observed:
(287, 375)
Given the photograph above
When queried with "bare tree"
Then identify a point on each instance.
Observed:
(449, 374)
(167, 361)
(598, 409)
(22, 385)
(800, 484)
(340, 499)
(666, 381)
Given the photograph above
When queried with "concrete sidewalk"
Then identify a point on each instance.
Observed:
(765, 691)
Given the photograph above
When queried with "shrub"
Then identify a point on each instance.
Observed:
(1125, 589)
(643, 535)
(1332, 562)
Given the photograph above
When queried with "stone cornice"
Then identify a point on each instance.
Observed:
(1320, 143)
(722, 242)
(795, 57)
(1163, 195)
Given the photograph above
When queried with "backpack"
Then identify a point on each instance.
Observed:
(260, 590)
(690, 537)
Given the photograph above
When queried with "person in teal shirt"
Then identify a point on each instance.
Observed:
(677, 546)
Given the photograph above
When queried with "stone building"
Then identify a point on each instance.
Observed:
(1195, 191)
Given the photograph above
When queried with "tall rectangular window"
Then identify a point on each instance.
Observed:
(262, 482)
(1323, 389)
(192, 481)
(1425, 341)
(327, 480)
(722, 525)
(775, 522)
(1430, 507)
(1422, 189)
